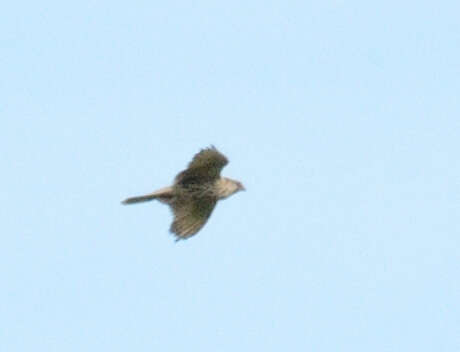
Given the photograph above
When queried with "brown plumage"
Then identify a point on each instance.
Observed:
(195, 192)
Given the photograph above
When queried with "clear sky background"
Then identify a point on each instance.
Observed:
(341, 118)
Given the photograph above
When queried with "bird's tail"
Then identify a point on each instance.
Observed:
(163, 195)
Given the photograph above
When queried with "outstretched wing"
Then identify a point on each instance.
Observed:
(205, 167)
(190, 215)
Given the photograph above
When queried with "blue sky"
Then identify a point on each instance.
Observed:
(341, 118)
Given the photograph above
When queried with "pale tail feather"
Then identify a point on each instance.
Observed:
(164, 195)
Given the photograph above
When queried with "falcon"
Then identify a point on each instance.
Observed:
(195, 192)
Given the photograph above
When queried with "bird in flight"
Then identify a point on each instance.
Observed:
(195, 192)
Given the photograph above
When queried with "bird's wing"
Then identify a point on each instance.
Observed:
(204, 167)
(190, 215)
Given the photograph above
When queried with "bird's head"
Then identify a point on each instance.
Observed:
(226, 187)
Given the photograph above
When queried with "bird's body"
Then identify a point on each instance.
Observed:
(195, 192)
